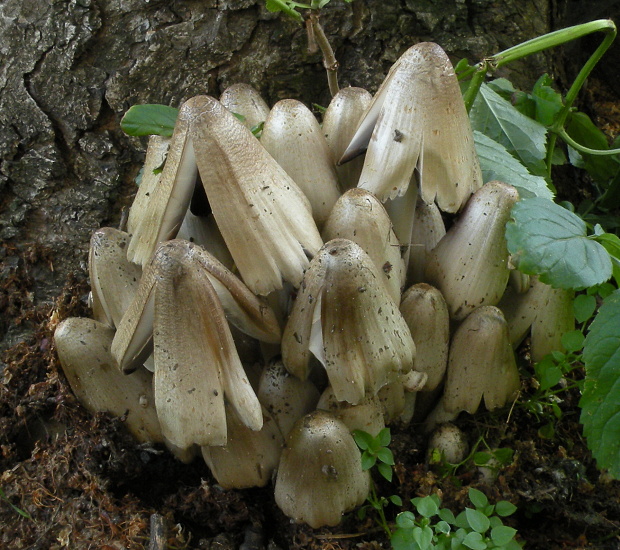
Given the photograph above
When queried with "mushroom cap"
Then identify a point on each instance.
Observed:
(366, 415)
(320, 476)
(344, 316)
(360, 217)
(83, 347)
(244, 100)
(482, 364)
(262, 214)
(469, 265)
(293, 137)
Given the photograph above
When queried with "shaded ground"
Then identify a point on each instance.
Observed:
(84, 483)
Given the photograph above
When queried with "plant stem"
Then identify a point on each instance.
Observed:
(583, 149)
(329, 59)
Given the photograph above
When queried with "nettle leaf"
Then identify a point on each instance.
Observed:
(600, 401)
(523, 137)
(149, 119)
(497, 163)
(548, 240)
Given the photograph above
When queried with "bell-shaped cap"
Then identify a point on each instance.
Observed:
(249, 457)
(294, 138)
(482, 364)
(418, 118)
(156, 152)
(262, 214)
(360, 217)
(203, 231)
(286, 397)
(340, 121)
(169, 200)
(470, 264)
(426, 314)
(320, 476)
(344, 316)
(83, 347)
(113, 278)
(242, 99)
(553, 320)
(252, 315)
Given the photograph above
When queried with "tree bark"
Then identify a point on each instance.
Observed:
(71, 68)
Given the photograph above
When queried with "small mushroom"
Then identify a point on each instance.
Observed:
(320, 476)
(344, 316)
(366, 415)
(83, 347)
(244, 100)
(428, 229)
(293, 137)
(470, 264)
(450, 442)
(340, 121)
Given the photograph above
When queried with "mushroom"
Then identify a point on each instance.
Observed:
(449, 442)
(249, 457)
(244, 100)
(428, 229)
(340, 121)
(262, 214)
(114, 279)
(320, 475)
(469, 265)
(367, 415)
(360, 217)
(293, 137)
(481, 366)
(344, 316)
(83, 347)
(418, 118)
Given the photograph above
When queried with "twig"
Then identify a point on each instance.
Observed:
(316, 34)
(158, 533)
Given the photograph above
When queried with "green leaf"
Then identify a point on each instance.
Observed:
(523, 137)
(504, 455)
(572, 341)
(548, 373)
(478, 498)
(147, 120)
(482, 457)
(548, 240)
(443, 527)
(600, 401)
(497, 163)
(583, 307)
(13, 507)
(363, 439)
(426, 506)
(384, 437)
(385, 470)
(548, 102)
(504, 508)
(385, 455)
(502, 535)
(368, 461)
(279, 5)
(396, 500)
(423, 536)
(477, 520)
(446, 515)
(405, 520)
(474, 541)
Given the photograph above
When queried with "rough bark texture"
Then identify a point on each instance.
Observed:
(72, 68)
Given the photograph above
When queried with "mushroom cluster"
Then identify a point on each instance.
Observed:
(253, 312)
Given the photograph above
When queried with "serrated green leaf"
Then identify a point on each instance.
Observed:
(149, 119)
(502, 535)
(583, 307)
(477, 520)
(504, 508)
(600, 401)
(474, 541)
(523, 137)
(478, 498)
(548, 240)
(497, 163)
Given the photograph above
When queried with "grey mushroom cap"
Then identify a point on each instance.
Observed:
(320, 476)
(344, 316)
(244, 100)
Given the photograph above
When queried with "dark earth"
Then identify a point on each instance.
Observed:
(73, 480)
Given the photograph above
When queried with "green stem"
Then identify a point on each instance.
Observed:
(474, 86)
(378, 506)
(583, 149)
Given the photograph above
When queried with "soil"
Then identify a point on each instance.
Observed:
(74, 480)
